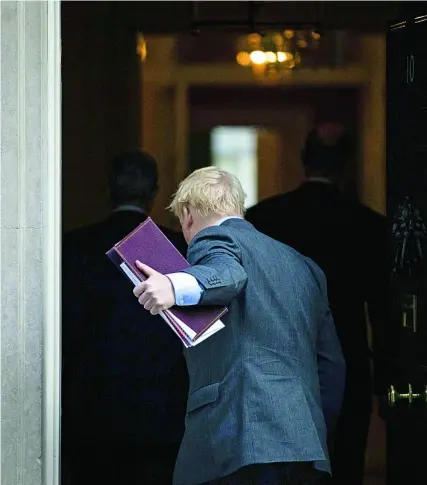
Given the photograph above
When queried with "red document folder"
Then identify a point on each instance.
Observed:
(148, 244)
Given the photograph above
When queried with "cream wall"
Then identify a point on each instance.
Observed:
(169, 85)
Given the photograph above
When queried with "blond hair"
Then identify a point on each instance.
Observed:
(209, 190)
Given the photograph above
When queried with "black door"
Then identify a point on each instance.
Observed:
(407, 214)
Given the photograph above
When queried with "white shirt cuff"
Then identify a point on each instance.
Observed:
(186, 287)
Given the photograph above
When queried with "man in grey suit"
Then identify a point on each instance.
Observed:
(265, 389)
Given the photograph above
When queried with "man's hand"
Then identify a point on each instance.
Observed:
(156, 293)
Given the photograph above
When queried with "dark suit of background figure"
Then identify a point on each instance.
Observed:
(264, 388)
(124, 375)
(347, 240)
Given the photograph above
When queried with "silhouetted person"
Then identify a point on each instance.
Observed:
(347, 240)
(124, 375)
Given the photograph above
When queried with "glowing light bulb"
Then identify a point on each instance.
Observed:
(243, 58)
(258, 57)
(270, 57)
(284, 56)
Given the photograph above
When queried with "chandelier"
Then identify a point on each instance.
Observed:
(276, 53)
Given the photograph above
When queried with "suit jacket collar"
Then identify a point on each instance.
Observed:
(234, 221)
(221, 221)
(322, 180)
(129, 208)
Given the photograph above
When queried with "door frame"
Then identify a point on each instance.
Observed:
(51, 212)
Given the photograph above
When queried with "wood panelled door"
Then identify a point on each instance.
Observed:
(407, 214)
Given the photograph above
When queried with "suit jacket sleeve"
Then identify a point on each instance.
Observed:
(216, 261)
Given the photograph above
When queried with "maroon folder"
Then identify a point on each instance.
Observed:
(148, 244)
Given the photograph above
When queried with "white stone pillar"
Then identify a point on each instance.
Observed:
(30, 242)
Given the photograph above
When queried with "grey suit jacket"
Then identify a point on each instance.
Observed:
(258, 386)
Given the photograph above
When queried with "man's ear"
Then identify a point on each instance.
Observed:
(188, 218)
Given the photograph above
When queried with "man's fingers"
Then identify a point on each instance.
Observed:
(155, 310)
(145, 269)
(139, 289)
(155, 294)
(143, 298)
(149, 304)
(152, 306)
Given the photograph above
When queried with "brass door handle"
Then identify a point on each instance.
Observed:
(410, 396)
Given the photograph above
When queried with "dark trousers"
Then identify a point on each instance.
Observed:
(351, 433)
(149, 464)
(275, 474)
